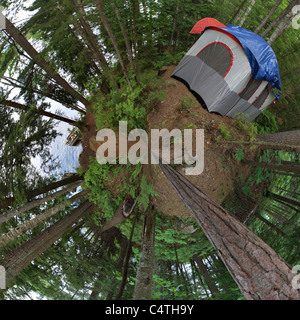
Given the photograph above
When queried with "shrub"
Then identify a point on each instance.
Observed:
(128, 104)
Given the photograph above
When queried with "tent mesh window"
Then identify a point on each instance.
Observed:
(262, 98)
(250, 89)
(218, 56)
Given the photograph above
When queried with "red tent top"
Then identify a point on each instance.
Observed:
(206, 22)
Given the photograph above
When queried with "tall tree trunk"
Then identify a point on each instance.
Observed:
(271, 225)
(39, 60)
(136, 42)
(274, 196)
(193, 267)
(180, 273)
(277, 215)
(285, 204)
(112, 37)
(247, 13)
(184, 278)
(74, 27)
(238, 12)
(209, 281)
(280, 17)
(288, 140)
(31, 224)
(18, 259)
(127, 42)
(4, 203)
(203, 285)
(173, 29)
(290, 192)
(18, 84)
(272, 166)
(85, 31)
(281, 28)
(95, 292)
(32, 204)
(126, 263)
(40, 112)
(268, 16)
(143, 284)
(256, 268)
(286, 174)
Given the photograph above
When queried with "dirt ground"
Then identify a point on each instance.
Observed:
(217, 179)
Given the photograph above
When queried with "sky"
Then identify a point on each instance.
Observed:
(67, 156)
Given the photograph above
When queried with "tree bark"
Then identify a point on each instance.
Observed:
(288, 140)
(238, 12)
(18, 259)
(17, 84)
(86, 32)
(256, 268)
(180, 273)
(283, 199)
(210, 283)
(34, 193)
(281, 28)
(286, 205)
(271, 225)
(247, 13)
(143, 284)
(115, 220)
(268, 16)
(95, 293)
(40, 112)
(16, 212)
(31, 224)
(287, 174)
(127, 42)
(271, 166)
(277, 215)
(173, 28)
(126, 263)
(279, 17)
(39, 60)
(112, 37)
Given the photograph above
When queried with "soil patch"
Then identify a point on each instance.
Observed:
(180, 109)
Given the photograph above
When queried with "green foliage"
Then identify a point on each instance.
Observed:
(95, 181)
(246, 190)
(167, 59)
(248, 128)
(127, 104)
(23, 137)
(163, 289)
(186, 104)
(239, 155)
(147, 192)
(100, 179)
(225, 132)
(266, 122)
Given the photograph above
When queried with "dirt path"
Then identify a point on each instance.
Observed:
(180, 109)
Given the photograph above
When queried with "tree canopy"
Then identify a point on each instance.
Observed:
(120, 231)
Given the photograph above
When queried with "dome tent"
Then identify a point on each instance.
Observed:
(231, 69)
